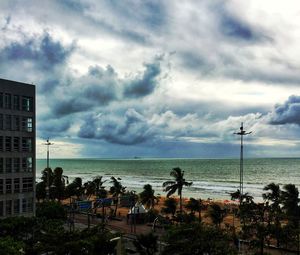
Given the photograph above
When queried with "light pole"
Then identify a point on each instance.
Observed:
(242, 133)
(48, 172)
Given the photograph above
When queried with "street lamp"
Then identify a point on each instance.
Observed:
(48, 172)
(242, 133)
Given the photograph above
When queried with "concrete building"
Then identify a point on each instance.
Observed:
(17, 149)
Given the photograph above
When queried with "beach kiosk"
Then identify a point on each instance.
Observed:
(136, 214)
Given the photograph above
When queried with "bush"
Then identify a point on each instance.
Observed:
(51, 210)
(151, 215)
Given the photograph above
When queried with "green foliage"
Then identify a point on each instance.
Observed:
(147, 196)
(216, 213)
(177, 185)
(51, 210)
(169, 206)
(195, 205)
(75, 188)
(151, 215)
(17, 227)
(198, 239)
(146, 244)
(9, 246)
(116, 190)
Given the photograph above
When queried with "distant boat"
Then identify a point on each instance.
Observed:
(137, 157)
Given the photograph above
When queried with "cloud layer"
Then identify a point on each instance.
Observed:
(158, 78)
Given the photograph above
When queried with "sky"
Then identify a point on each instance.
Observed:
(119, 79)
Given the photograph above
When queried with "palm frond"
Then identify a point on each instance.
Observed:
(171, 191)
(167, 183)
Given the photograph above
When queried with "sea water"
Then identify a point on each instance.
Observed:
(212, 178)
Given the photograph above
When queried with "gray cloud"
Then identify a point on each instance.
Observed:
(43, 51)
(131, 129)
(53, 127)
(287, 113)
(238, 29)
(144, 85)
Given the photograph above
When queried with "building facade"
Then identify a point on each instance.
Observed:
(17, 149)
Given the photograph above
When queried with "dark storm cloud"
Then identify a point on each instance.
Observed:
(287, 113)
(53, 127)
(44, 51)
(144, 85)
(131, 129)
(97, 88)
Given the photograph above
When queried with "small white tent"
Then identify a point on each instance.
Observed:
(137, 209)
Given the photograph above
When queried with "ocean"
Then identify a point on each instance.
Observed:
(212, 178)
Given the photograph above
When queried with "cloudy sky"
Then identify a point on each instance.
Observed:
(158, 78)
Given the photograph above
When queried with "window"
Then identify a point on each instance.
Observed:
(7, 122)
(1, 121)
(27, 164)
(30, 205)
(27, 144)
(16, 123)
(16, 104)
(8, 165)
(1, 186)
(27, 124)
(8, 184)
(1, 166)
(27, 184)
(8, 207)
(27, 104)
(24, 205)
(16, 165)
(1, 208)
(17, 206)
(16, 185)
(7, 101)
(7, 143)
(1, 100)
(16, 144)
(1, 143)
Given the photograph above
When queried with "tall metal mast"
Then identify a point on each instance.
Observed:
(48, 172)
(242, 133)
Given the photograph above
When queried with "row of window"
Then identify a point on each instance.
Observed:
(17, 206)
(16, 165)
(16, 102)
(16, 144)
(9, 185)
(16, 123)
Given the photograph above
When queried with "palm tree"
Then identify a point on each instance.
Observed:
(169, 206)
(172, 186)
(217, 214)
(273, 197)
(290, 201)
(75, 188)
(59, 182)
(116, 190)
(147, 196)
(100, 191)
(195, 206)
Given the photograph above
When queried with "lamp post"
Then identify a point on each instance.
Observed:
(48, 172)
(242, 133)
